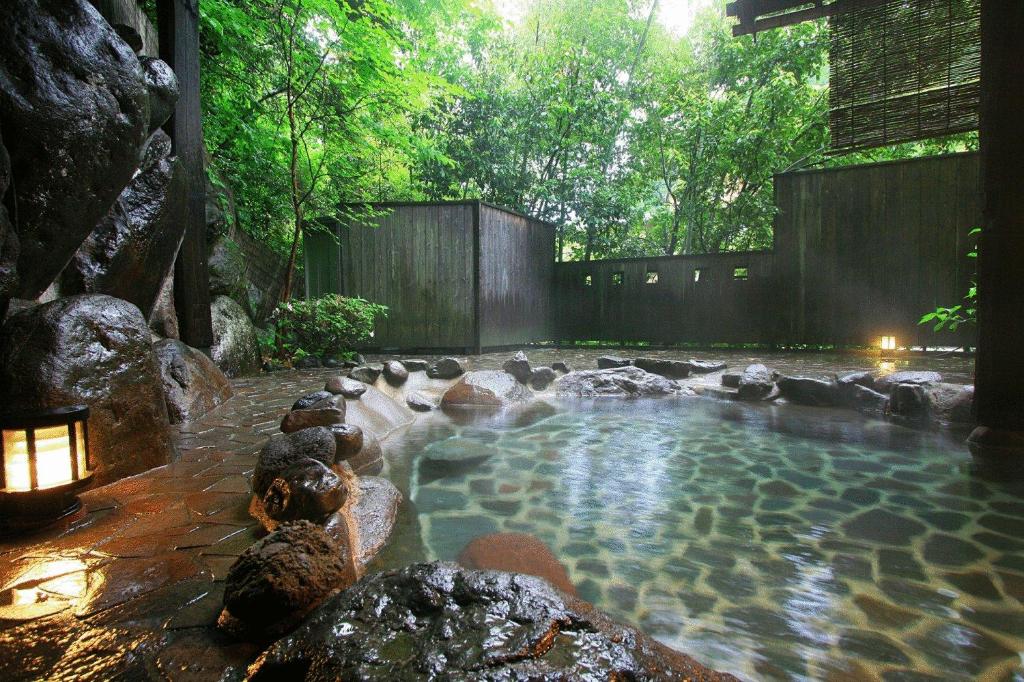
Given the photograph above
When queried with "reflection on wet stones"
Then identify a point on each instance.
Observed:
(872, 646)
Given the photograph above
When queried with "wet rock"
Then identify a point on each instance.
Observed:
(445, 617)
(612, 362)
(235, 347)
(308, 401)
(629, 382)
(808, 391)
(284, 450)
(348, 440)
(94, 350)
(516, 553)
(445, 368)
(226, 265)
(415, 365)
(162, 90)
(369, 461)
(755, 383)
(163, 321)
(848, 381)
(908, 405)
(8, 238)
(366, 373)
(486, 388)
(284, 576)
(731, 380)
(297, 420)
(395, 373)
(374, 513)
(308, 490)
(884, 382)
(706, 366)
(418, 402)
(132, 250)
(519, 367)
(75, 114)
(345, 387)
(560, 366)
(872, 646)
(868, 402)
(950, 405)
(879, 525)
(193, 385)
(329, 362)
(541, 378)
(670, 369)
(306, 362)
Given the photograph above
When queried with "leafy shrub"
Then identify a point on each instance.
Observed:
(332, 325)
(964, 313)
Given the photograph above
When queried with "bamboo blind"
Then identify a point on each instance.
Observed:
(903, 70)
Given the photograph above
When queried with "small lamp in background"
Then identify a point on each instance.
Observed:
(888, 343)
(45, 462)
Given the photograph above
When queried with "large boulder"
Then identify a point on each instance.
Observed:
(809, 391)
(706, 366)
(446, 622)
(395, 373)
(612, 362)
(516, 553)
(94, 350)
(162, 88)
(670, 369)
(298, 420)
(885, 382)
(74, 113)
(345, 387)
(626, 382)
(486, 388)
(950, 405)
(132, 250)
(756, 383)
(367, 374)
(542, 377)
(282, 577)
(226, 264)
(236, 348)
(193, 385)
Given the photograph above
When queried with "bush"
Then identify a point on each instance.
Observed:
(324, 327)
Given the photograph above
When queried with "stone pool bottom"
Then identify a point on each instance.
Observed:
(768, 541)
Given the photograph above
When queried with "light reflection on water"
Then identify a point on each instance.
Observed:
(773, 542)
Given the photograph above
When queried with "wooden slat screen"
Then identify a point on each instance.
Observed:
(903, 70)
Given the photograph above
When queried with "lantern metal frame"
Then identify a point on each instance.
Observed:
(22, 510)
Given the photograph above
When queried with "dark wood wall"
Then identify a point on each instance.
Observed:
(866, 250)
(714, 307)
(517, 260)
(859, 252)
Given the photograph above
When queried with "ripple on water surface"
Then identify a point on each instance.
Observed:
(772, 542)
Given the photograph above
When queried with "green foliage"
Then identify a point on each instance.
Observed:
(329, 326)
(953, 317)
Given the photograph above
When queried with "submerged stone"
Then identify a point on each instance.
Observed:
(879, 525)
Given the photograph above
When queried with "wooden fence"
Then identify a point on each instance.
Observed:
(859, 252)
(459, 275)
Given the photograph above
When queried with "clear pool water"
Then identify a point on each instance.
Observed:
(771, 542)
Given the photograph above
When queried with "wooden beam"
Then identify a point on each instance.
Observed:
(999, 369)
(178, 27)
(763, 15)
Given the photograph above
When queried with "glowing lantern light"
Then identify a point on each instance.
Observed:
(888, 343)
(46, 460)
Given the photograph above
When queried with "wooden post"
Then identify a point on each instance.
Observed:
(999, 373)
(178, 27)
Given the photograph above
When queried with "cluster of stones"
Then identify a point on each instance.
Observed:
(314, 490)
(912, 398)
